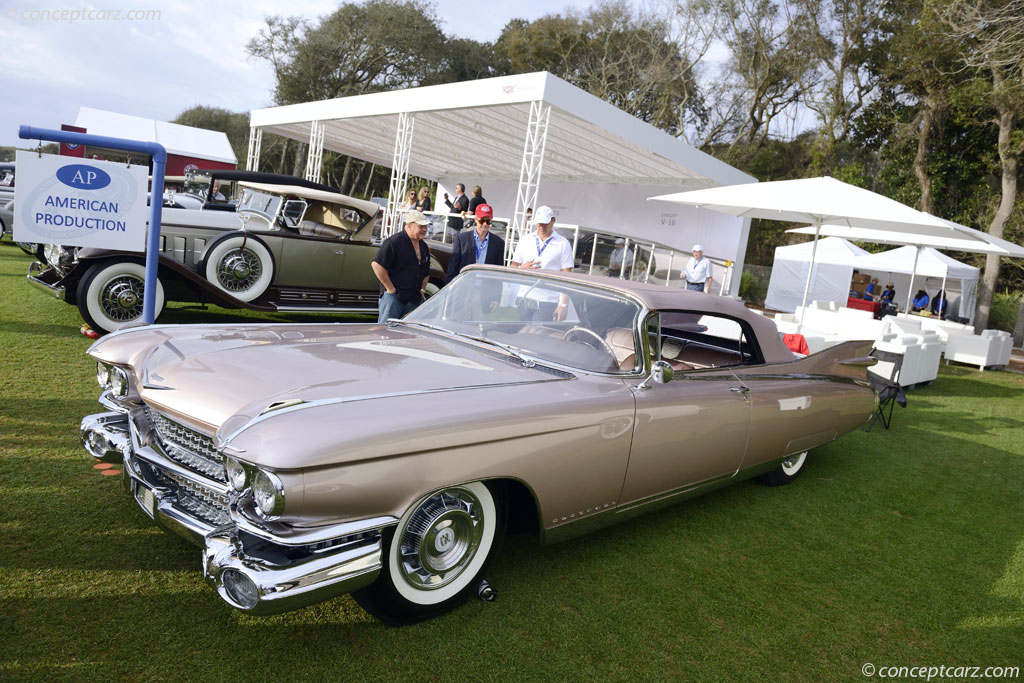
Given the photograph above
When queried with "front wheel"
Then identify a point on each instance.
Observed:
(436, 555)
(786, 472)
(110, 295)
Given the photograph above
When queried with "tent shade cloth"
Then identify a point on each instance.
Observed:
(963, 239)
(933, 268)
(186, 141)
(475, 129)
(830, 281)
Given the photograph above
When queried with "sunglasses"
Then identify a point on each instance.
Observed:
(484, 220)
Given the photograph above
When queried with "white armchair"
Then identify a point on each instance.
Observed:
(915, 367)
(990, 348)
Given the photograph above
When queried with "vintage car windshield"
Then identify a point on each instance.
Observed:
(517, 310)
(262, 203)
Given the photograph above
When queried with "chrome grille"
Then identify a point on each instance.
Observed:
(187, 447)
(205, 503)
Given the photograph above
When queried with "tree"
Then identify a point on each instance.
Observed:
(625, 57)
(990, 39)
(236, 126)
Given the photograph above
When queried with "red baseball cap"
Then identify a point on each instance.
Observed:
(484, 211)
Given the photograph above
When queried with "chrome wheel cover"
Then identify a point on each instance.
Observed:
(441, 539)
(121, 298)
(793, 463)
(238, 270)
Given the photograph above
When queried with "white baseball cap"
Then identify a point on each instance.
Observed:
(697, 247)
(543, 214)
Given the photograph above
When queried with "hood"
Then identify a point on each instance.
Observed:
(222, 378)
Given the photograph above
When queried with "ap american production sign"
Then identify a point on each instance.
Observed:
(80, 202)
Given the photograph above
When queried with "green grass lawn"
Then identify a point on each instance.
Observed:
(901, 547)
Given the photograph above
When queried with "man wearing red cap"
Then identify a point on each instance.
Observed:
(477, 246)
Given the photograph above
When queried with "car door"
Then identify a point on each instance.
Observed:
(311, 261)
(691, 430)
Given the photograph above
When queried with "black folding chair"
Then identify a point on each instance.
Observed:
(889, 390)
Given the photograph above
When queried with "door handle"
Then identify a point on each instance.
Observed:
(340, 252)
(740, 390)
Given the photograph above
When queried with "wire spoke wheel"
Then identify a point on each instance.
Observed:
(239, 270)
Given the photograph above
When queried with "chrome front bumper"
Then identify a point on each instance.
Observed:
(43, 279)
(253, 572)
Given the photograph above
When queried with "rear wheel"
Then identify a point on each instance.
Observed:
(110, 295)
(786, 472)
(241, 266)
(436, 555)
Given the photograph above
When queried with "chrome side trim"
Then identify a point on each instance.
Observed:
(223, 441)
(326, 309)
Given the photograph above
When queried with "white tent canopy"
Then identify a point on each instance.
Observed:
(830, 280)
(508, 134)
(962, 239)
(185, 141)
(934, 271)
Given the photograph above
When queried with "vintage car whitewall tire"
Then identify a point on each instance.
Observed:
(244, 273)
(110, 295)
(787, 471)
(437, 554)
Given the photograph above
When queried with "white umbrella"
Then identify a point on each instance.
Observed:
(817, 201)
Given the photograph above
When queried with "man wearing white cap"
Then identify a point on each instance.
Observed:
(545, 249)
(402, 265)
(619, 257)
(698, 271)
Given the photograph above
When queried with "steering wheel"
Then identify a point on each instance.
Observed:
(602, 344)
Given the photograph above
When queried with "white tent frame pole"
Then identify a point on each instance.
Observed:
(913, 272)
(529, 172)
(942, 293)
(315, 154)
(810, 275)
(252, 159)
(399, 172)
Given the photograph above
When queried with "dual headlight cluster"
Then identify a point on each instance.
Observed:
(113, 378)
(267, 489)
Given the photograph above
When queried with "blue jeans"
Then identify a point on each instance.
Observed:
(391, 307)
(698, 287)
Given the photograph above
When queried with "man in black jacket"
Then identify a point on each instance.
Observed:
(459, 206)
(477, 246)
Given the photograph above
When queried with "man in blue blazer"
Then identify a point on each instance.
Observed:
(477, 246)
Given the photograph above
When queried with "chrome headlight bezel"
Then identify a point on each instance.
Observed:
(103, 374)
(268, 495)
(236, 473)
(119, 383)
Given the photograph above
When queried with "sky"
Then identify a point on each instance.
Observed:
(157, 59)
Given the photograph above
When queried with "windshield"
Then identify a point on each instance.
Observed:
(261, 203)
(571, 324)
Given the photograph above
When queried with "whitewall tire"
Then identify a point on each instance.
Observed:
(239, 266)
(110, 295)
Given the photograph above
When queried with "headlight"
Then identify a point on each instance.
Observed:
(118, 382)
(237, 476)
(269, 494)
(103, 375)
(51, 252)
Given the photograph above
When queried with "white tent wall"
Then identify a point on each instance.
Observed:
(834, 264)
(896, 265)
(624, 209)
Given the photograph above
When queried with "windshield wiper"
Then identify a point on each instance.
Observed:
(527, 362)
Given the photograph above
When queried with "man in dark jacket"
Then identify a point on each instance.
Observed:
(459, 206)
(477, 246)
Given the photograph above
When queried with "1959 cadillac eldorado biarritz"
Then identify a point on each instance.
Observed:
(387, 461)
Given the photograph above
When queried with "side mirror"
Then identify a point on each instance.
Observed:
(661, 373)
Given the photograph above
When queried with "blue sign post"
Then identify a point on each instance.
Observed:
(159, 156)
